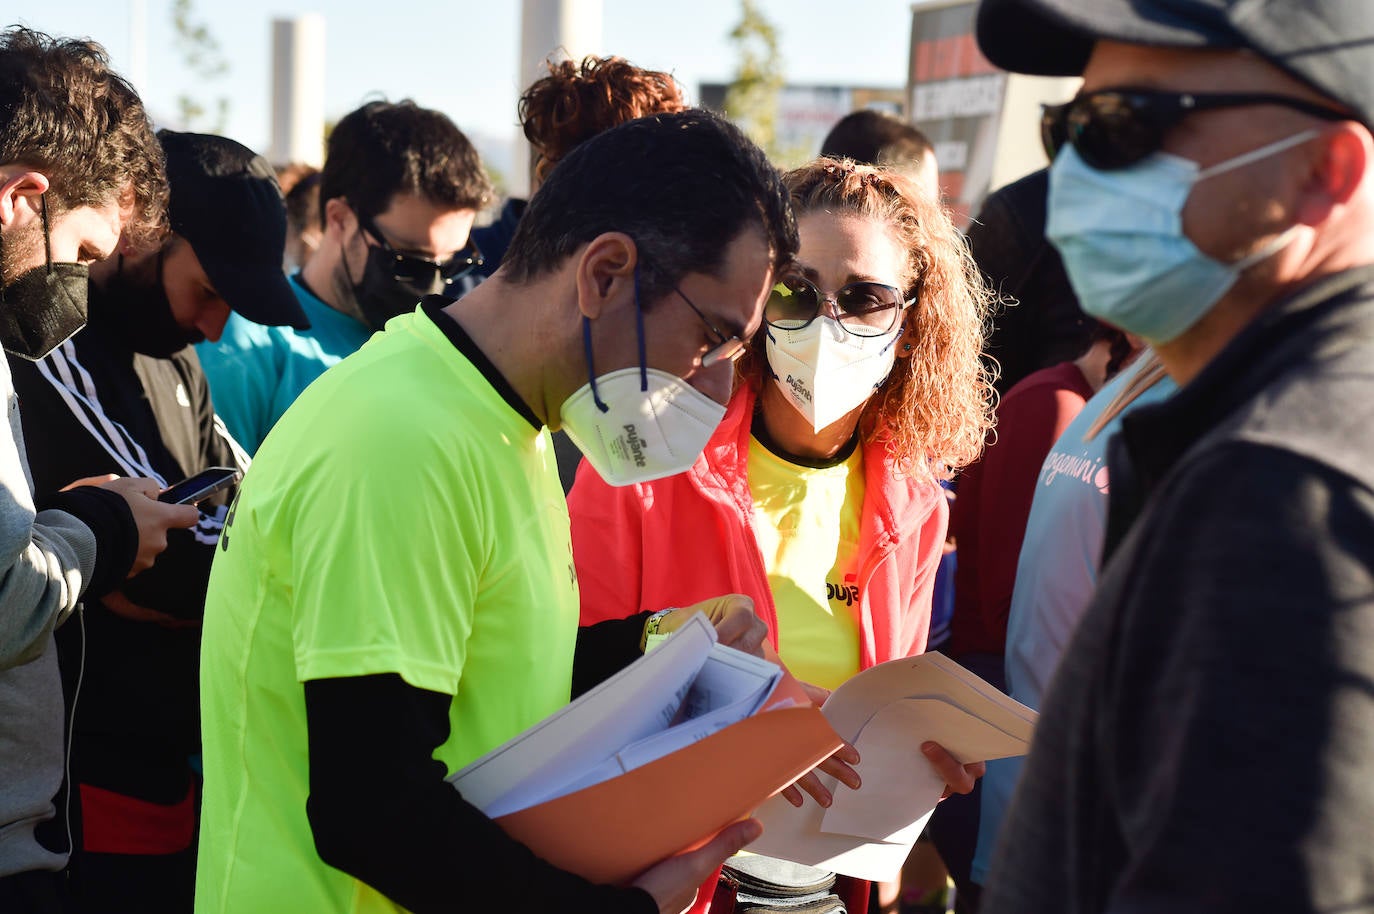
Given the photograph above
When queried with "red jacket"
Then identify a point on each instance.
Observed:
(690, 537)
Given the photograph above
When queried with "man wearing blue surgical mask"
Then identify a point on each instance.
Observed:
(1207, 742)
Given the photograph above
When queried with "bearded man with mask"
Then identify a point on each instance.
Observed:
(80, 174)
(399, 192)
(1207, 742)
(126, 395)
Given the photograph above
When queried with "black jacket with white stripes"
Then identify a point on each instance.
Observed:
(97, 406)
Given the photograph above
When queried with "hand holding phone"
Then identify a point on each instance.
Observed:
(201, 486)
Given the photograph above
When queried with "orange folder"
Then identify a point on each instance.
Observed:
(613, 831)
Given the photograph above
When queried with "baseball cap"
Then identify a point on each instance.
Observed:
(226, 203)
(1329, 44)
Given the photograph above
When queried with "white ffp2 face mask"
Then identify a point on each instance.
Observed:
(653, 424)
(825, 371)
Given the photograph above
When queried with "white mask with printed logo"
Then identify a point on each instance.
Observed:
(825, 371)
(647, 424)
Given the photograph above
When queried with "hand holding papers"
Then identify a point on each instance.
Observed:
(888, 712)
(653, 761)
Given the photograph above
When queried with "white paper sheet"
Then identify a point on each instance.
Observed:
(888, 712)
(637, 702)
(686, 690)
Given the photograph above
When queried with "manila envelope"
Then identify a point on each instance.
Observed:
(613, 831)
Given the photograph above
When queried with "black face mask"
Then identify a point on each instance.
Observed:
(42, 308)
(141, 315)
(381, 296)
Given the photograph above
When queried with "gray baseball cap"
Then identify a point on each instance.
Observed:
(1328, 44)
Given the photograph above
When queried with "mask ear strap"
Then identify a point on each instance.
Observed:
(768, 366)
(1255, 155)
(591, 364)
(639, 331)
(47, 235)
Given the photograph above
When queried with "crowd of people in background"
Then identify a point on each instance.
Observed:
(1109, 449)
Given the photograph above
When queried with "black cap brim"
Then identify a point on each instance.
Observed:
(264, 296)
(1056, 37)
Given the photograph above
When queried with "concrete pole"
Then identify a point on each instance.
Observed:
(138, 46)
(298, 90)
(557, 30)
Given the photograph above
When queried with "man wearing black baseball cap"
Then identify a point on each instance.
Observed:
(1208, 741)
(127, 396)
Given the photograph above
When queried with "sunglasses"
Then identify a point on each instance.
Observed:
(862, 308)
(1115, 128)
(419, 271)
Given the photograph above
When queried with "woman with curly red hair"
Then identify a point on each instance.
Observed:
(818, 496)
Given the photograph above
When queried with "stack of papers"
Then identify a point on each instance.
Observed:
(653, 761)
(887, 712)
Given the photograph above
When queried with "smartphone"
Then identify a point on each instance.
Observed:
(201, 486)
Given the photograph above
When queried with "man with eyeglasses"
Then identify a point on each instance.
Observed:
(1208, 741)
(395, 595)
(399, 192)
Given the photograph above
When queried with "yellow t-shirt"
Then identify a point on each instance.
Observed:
(807, 523)
(403, 517)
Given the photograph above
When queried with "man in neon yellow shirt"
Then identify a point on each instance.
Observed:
(394, 594)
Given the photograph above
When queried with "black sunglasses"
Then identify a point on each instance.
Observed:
(419, 271)
(1115, 128)
(862, 308)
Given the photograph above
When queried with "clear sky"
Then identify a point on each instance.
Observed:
(460, 56)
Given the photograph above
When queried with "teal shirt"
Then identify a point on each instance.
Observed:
(256, 372)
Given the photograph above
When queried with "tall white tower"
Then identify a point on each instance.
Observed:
(298, 90)
(551, 29)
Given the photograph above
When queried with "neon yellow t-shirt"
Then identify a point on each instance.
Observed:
(403, 517)
(807, 524)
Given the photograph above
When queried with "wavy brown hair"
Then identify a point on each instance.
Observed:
(64, 112)
(935, 409)
(575, 102)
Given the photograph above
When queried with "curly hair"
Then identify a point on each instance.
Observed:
(67, 114)
(935, 409)
(575, 102)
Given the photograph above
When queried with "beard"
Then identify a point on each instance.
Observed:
(18, 245)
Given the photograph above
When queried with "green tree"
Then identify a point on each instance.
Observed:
(202, 55)
(751, 99)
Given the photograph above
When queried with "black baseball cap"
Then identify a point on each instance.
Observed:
(1328, 44)
(225, 201)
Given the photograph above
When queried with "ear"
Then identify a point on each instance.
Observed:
(340, 222)
(1337, 172)
(605, 271)
(906, 343)
(26, 185)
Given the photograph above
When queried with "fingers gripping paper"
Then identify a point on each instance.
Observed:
(888, 712)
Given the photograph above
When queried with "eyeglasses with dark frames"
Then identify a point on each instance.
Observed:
(861, 308)
(727, 348)
(1116, 128)
(421, 271)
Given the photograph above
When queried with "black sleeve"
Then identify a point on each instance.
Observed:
(112, 522)
(605, 649)
(177, 581)
(1238, 734)
(381, 811)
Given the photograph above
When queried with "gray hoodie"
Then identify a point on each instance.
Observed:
(47, 558)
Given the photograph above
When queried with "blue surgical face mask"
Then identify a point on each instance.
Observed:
(1121, 236)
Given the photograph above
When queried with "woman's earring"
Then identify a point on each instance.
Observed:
(907, 347)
